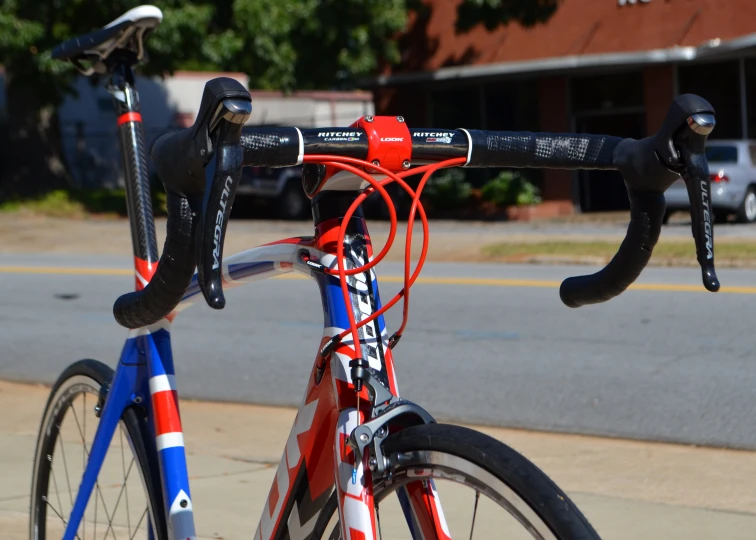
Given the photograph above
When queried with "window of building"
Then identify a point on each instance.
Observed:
(512, 105)
(719, 84)
(607, 92)
(612, 104)
(455, 108)
(750, 81)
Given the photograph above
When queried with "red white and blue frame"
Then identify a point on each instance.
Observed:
(317, 464)
(316, 459)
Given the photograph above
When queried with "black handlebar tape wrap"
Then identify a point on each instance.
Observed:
(219, 198)
(646, 214)
(271, 147)
(541, 150)
(280, 147)
(698, 183)
(174, 272)
(178, 162)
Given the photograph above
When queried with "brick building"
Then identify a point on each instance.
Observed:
(601, 66)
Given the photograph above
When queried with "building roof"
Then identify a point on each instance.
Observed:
(581, 33)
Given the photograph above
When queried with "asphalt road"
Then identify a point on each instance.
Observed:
(664, 364)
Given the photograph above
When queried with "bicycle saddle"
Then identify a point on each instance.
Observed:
(126, 33)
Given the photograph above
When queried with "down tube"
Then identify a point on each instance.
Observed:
(419, 502)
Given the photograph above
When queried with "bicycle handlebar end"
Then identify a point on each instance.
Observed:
(632, 257)
(649, 167)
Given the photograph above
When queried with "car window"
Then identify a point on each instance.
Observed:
(752, 150)
(722, 154)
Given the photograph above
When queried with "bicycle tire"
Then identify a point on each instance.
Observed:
(90, 376)
(425, 447)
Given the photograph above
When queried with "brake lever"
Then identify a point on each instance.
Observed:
(691, 142)
(222, 178)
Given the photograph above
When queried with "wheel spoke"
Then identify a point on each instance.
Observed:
(81, 433)
(58, 514)
(65, 466)
(120, 494)
(378, 520)
(104, 509)
(475, 513)
(125, 484)
(55, 482)
(136, 529)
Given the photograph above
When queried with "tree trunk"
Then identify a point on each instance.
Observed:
(33, 162)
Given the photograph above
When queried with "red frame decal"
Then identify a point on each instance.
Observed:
(129, 117)
(143, 272)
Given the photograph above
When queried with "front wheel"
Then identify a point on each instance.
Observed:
(486, 489)
(126, 501)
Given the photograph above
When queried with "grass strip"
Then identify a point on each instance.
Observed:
(78, 204)
(666, 253)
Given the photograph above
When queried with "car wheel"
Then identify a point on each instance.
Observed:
(292, 202)
(747, 211)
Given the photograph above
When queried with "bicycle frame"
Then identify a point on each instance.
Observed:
(316, 461)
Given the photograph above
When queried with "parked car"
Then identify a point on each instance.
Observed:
(283, 186)
(732, 165)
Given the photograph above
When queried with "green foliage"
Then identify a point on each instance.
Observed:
(447, 190)
(54, 204)
(77, 203)
(510, 188)
(281, 44)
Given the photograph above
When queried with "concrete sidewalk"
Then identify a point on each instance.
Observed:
(450, 240)
(628, 490)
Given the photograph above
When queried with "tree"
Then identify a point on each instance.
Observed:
(281, 44)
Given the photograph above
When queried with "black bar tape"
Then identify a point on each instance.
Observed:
(270, 147)
(173, 275)
(541, 150)
(179, 163)
(646, 214)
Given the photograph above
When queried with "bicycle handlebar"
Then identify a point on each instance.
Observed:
(649, 167)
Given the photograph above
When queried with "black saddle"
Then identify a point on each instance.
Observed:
(126, 33)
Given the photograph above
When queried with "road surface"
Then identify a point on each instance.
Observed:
(670, 364)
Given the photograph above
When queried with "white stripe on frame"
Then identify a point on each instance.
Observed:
(170, 440)
(161, 383)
